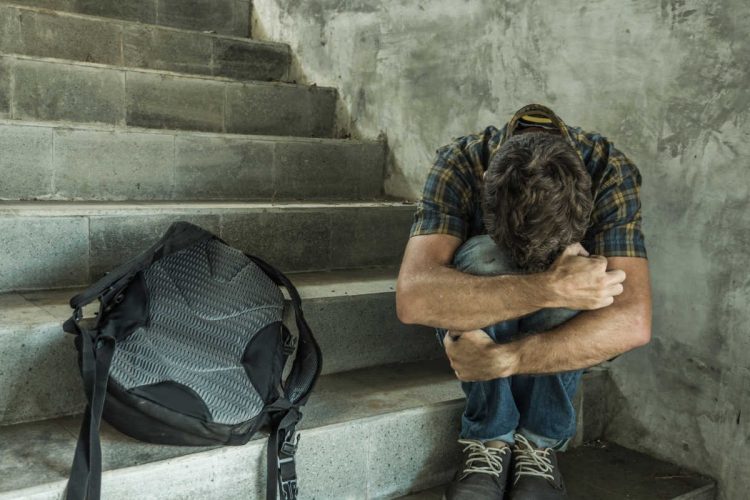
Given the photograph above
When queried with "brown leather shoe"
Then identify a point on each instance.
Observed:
(483, 474)
(536, 475)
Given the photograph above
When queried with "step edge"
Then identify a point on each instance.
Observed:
(381, 276)
(699, 493)
(54, 209)
(177, 133)
(381, 282)
(65, 13)
(165, 73)
(257, 441)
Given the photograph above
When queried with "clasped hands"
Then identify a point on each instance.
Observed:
(475, 357)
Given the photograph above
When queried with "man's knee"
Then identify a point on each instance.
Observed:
(481, 256)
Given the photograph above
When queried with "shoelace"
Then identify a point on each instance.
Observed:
(531, 462)
(481, 459)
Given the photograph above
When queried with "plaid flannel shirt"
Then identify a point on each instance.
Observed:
(451, 204)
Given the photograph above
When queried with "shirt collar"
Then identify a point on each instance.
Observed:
(538, 110)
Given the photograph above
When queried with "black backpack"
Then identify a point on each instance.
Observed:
(187, 304)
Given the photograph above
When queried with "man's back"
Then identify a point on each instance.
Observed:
(451, 199)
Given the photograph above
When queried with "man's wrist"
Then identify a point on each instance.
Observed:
(541, 292)
(507, 359)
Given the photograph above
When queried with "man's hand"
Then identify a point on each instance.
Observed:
(577, 281)
(474, 356)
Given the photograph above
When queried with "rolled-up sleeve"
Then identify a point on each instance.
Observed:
(446, 198)
(615, 229)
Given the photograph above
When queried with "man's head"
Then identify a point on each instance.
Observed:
(536, 198)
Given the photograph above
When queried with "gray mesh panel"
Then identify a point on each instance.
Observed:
(206, 303)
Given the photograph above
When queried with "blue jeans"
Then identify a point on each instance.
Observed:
(538, 406)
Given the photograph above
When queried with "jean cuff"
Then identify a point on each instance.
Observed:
(508, 437)
(545, 442)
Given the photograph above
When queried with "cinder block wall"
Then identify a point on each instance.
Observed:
(667, 81)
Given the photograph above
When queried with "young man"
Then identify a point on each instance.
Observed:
(562, 210)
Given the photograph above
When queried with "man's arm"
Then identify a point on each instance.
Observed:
(430, 292)
(586, 340)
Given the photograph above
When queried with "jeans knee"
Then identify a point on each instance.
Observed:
(545, 319)
(481, 256)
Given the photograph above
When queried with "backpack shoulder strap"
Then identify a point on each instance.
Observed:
(283, 440)
(308, 362)
(96, 357)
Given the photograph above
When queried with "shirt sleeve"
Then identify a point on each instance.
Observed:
(446, 199)
(616, 218)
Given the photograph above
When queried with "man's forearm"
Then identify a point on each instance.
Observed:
(586, 340)
(434, 299)
(594, 336)
(430, 292)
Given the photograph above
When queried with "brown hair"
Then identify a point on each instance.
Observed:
(536, 198)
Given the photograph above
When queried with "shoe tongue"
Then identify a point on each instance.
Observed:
(497, 445)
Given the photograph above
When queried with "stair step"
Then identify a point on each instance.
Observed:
(352, 314)
(370, 433)
(378, 432)
(61, 162)
(601, 470)
(228, 17)
(45, 33)
(33, 89)
(65, 244)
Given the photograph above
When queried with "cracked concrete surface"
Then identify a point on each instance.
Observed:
(666, 81)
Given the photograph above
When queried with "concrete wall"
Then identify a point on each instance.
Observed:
(667, 81)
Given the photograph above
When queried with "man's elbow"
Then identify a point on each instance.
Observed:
(404, 313)
(407, 304)
(640, 331)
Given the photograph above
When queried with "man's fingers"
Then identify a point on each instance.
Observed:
(615, 289)
(615, 276)
(606, 301)
(475, 334)
(448, 340)
(575, 249)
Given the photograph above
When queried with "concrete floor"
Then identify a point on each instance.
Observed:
(599, 470)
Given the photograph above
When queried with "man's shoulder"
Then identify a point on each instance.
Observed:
(471, 151)
(604, 161)
(592, 145)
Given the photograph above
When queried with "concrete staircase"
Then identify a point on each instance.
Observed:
(118, 117)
